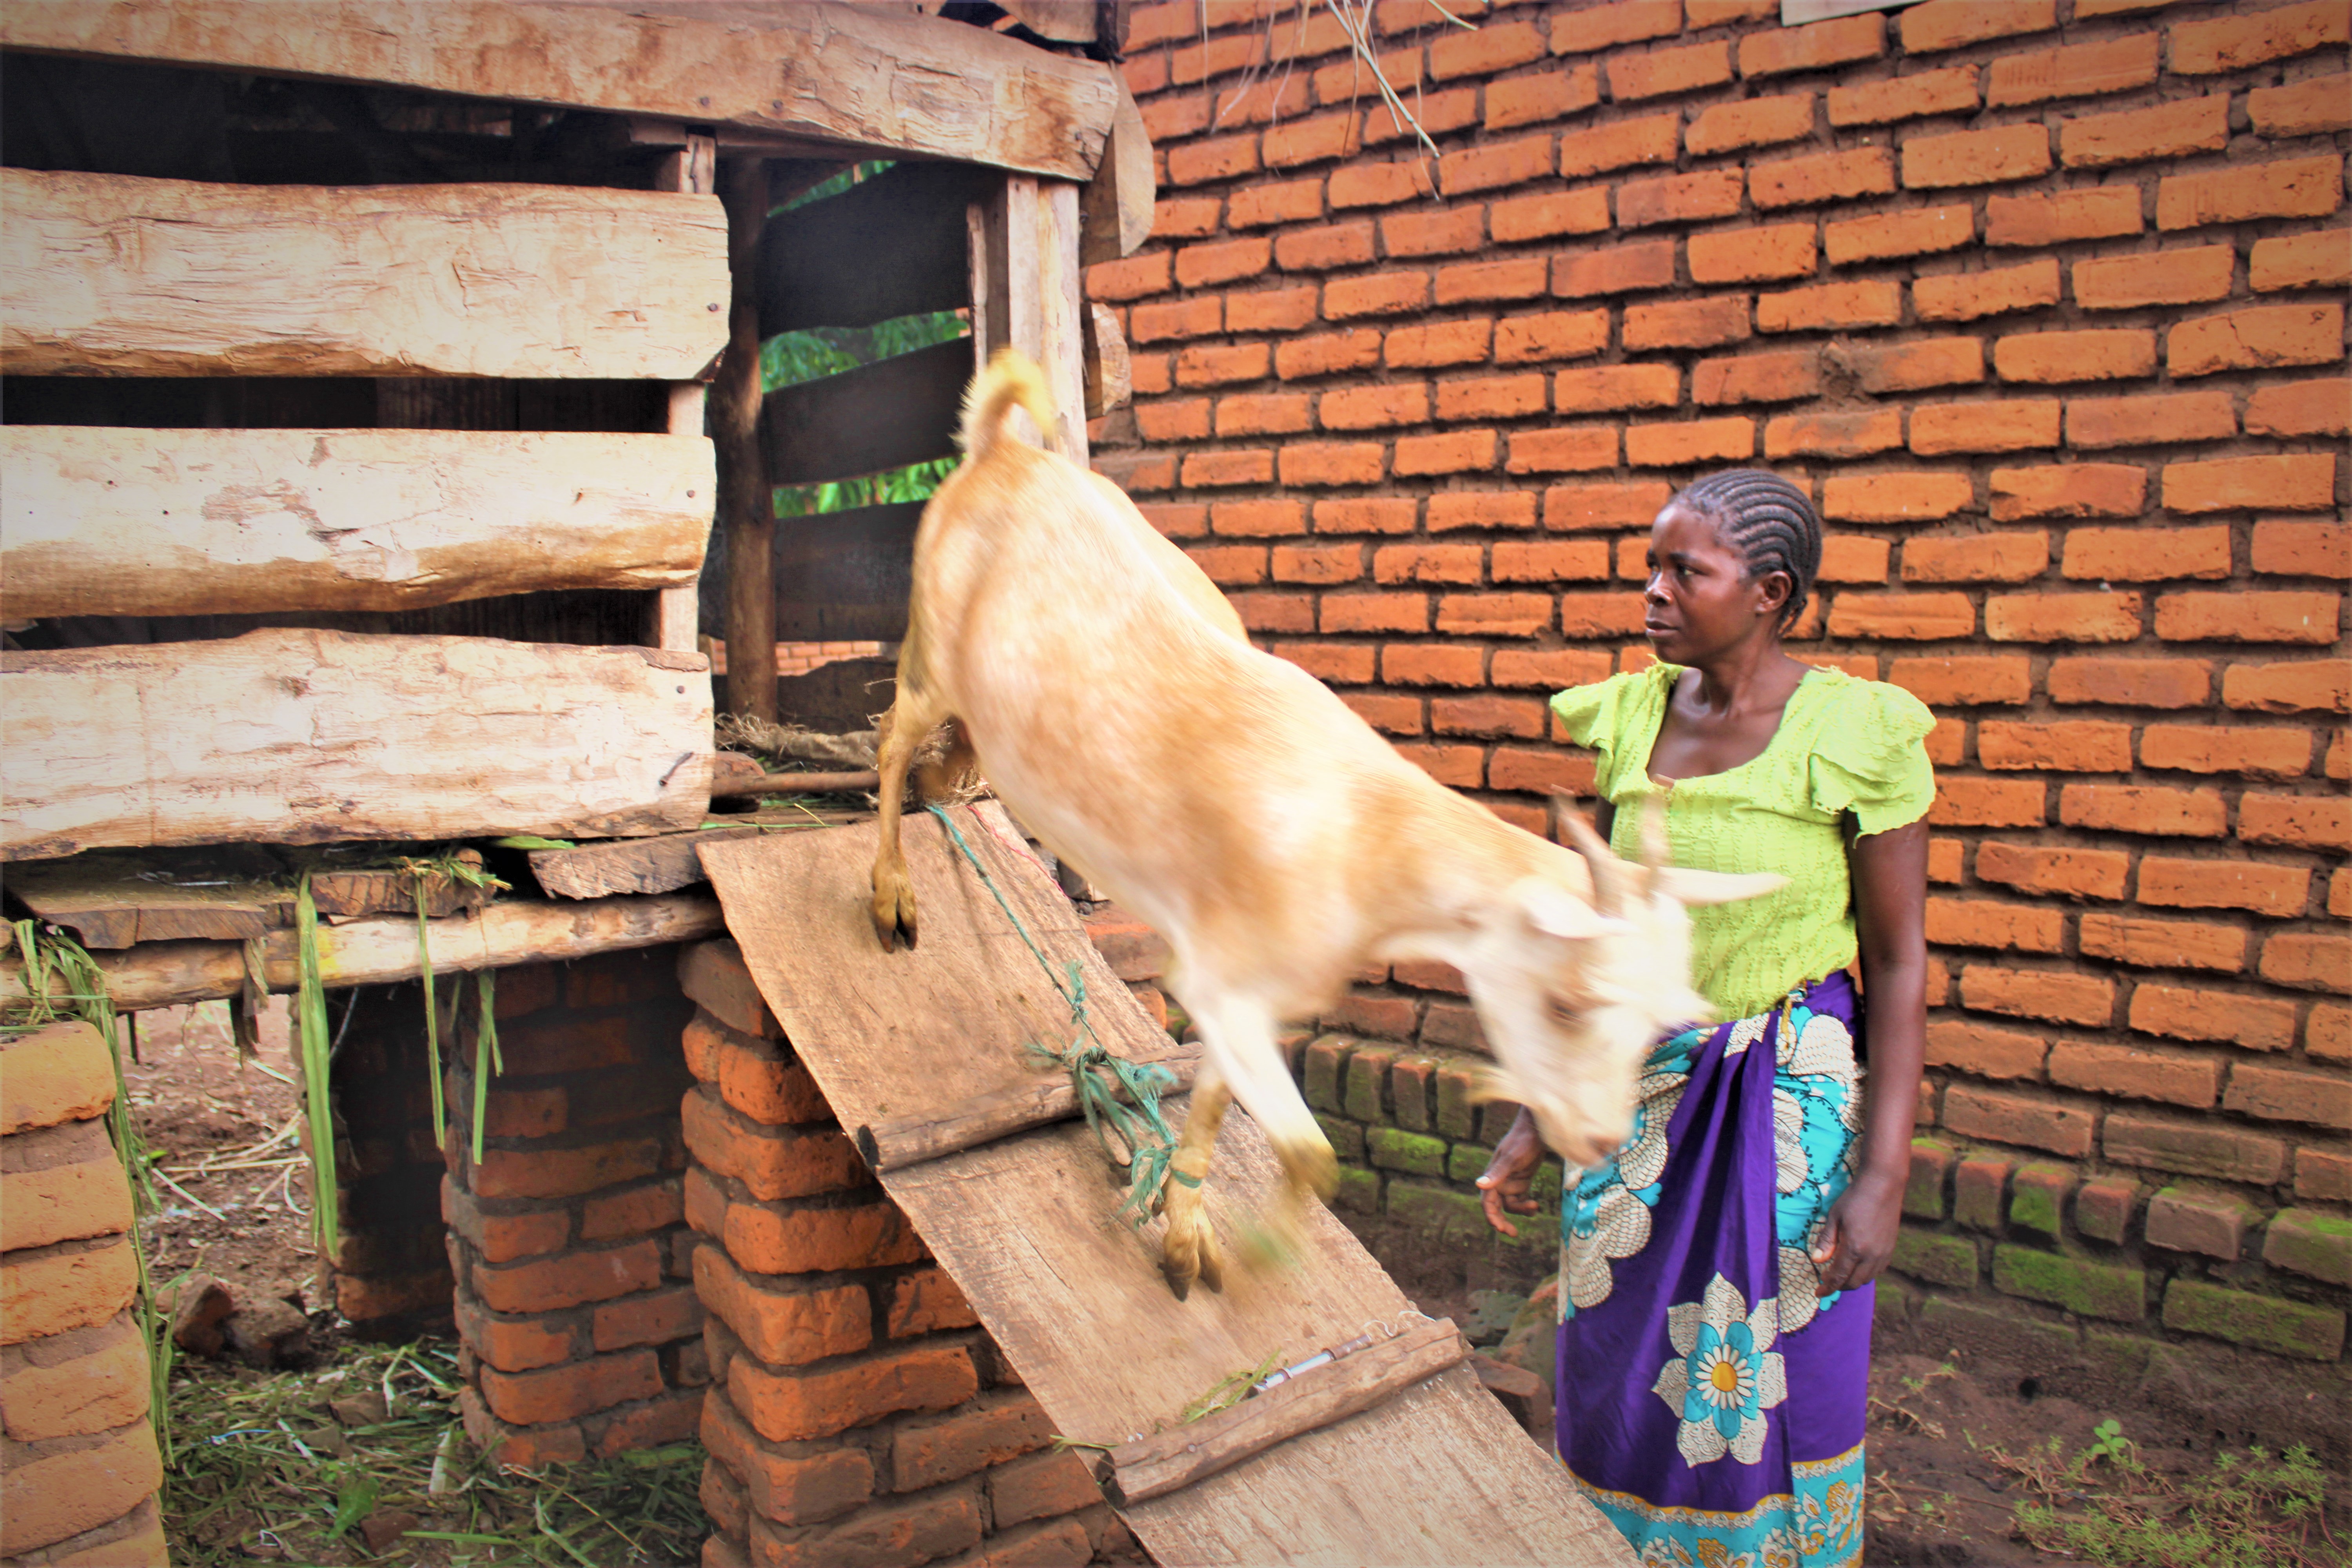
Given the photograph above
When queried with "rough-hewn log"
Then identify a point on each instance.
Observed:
(1025, 294)
(747, 505)
(817, 263)
(99, 522)
(1110, 373)
(844, 576)
(379, 952)
(845, 74)
(1116, 206)
(897, 411)
(910, 1140)
(105, 274)
(304, 737)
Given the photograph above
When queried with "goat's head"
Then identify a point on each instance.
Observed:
(1574, 991)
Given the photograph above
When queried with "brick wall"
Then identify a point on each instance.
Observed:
(392, 1273)
(2044, 301)
(78, 1457)
(859, 1413)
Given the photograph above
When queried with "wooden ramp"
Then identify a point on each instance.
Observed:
(1437, 1475)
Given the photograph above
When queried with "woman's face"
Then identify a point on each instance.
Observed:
(1700, 602)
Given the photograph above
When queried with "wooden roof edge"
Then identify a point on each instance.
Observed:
(845, 76)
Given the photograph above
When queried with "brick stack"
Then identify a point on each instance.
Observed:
(78, 1469)
(861, 1415)
(392, 1273)
(581, 1330)
(2044, 301)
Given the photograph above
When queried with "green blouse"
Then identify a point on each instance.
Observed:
(1845, 747)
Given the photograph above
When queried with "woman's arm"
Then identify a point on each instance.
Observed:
(1890, 909)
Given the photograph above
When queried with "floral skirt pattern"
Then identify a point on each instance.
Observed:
(1711, 1399)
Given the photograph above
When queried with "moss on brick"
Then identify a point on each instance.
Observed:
(1440, 1214)
(1466, 1162)
(2311, 1243)
(2091, 1290)
(1368, 1077)
(1923, 1191)
(2264, 1322)
(1938, 1259)
(1358, 1191)
(1393, 1149)
(1347, 1137)
(1327, 1067)
(2038, 1197)
(1457, 1113)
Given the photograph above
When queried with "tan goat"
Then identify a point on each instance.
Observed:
(1233, 802)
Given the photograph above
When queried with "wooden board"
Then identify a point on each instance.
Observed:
(1116, 206)
(663, 864)
(844, 576)
(833, 73)
(111, 901)
(97, 521)
(903, 409)
(305, 737)
(105, 274)
(1438, 1474)
(817, 263)
(1026, 294)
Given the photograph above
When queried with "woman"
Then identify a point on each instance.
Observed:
(1714, 1275)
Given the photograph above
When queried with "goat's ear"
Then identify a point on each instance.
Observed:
(1693, 887)
(1557, 912)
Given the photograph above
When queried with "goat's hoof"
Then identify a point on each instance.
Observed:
(1191, 1253)
(894, 915)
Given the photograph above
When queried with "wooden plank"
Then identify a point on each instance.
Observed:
(1028, 295)
(904, 1140)
(111, 275)
(1117, 205)
(1437, 1475)
(290, 736)
(844, 576)
(1062, 316)
(662, 864)
(674, 617)
(103, 522)
(818, 263)
(382, 951)
(832, 73)
(1110, 373)
(747, 507)
(897, 411)
(112, 901)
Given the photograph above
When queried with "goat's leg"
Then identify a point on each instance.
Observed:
(904, 728)
(1238, 1038)
(1189, 1249)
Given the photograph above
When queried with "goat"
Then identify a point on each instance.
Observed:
(1235, 803)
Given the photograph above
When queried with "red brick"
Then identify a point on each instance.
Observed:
(1550, 214)
(655, 1317)
(1949, 24)
(968, 1440)
(1834, 435)
(1209, 470)
(1152, 374)
(1550, 95)
(1573, 448)
(1370, 408)
(1444, 232)
(1270, 311)
(1616, 386)
(1454, 108)
(2116, 353)
(1691, 324)
(768, 1238)
(2327, 1035)
(1333, 663)
(1568, 507)
(2256, 337)
(1374, 613)
(1822, 177)
(2257, 1023)
(1205, 266)
(1977, 558)
(1173, 419)
(1538, 772)
(1255, 207)
(1269, 413)
(1491, 398)
(1684, 444)
(2081, 746)
(638, 1211)
(1519, 718)
(2195, 814)
(1560, 334)
(1984, 1053)
(1895, 498)
(1756, 122)
(2066, 873)
(1949, 91)
(1257, 519)
(550, 1284)
(2172, 129)
(2069, 490)
(1939, 428)
(1040, 1486)
(2160, 1075)
(1656, 139)
(1375, 294)
(2283, 547)
(2117, 65)
(2321, 258)
(1987, 803)
(2324, 685)
(1600, 614)
(1752, 254)
(2304, 822)
(1521, 277)
(1976, 157)
(1331, 463)
(1758, 378)
(2061, 1127)
(1549, 669)
(1614, 270)
(1432, 664)
(1428, 563)
(2165, 419)
(56, 1495)
(2164, 944)
(1456, 767)
(1312, 140)
(1971, 296)
(1491, 615)
(2087, 1001)
(2250, 885)
(1829, 307)
(2313, 105)
(1551, 562)
(2247, 617)
(2198, 1148)
(1360, 185)
(1317, 564)
(1485, 50)
(1440, 343)
(1593, 28)
(2210, 749)
(2099, 212)
(1678, 198)
(2300, 408)
(2296, 187)
(1455, 452)
(545, 1173)
(1480, 509)
(1659, 73)
(2063, 617)
(1483, 168)
(1927, 618)
(576, 1389)
(2234, 42)
(1321, 249)
(1327, 353)
(1133, 278)
(795, 1405)
(1780, 51)
(2281, 1094)
(2310, 963)
(2146, 554)
(1198, 163)
(1390, 715)
(928, 1301)
(1219, 364)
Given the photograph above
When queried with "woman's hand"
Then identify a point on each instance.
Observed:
(1505, 1181)
(1858, 1237)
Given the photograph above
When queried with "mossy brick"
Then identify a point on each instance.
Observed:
(1347, 1137)
(1994, 1328)
(2213, 1224)
(1327, 1068)
(1466, 1161)
(1938, 1259)
(1367, 1078)
(1892, 1305)
(1494, 1119)
(1358, 1191)
(2263, 1323)
(1977, 1188)
(1292, 1043)
(2104, 1209)
(1457, 1112)
(1412, 1093)
(2037, 1197)
(1545, 1187)
(1439, 1215)
(2088, 1289)
(2310, 1243)
(1923, 1192)
(1417, 1154)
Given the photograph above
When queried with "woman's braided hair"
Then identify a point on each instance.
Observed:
(1769, 522)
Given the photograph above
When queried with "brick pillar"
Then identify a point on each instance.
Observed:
(861, 1415)
(582, 1336)
(392, 1273)
(79, 1459)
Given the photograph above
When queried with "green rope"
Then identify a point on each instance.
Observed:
(1100, 1077)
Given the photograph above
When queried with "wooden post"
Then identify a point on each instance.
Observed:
(746, 508)
(1026, 294)
(673, 616)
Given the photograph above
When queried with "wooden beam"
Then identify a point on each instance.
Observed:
(844, 576)
(1118, 201)
(1026, 294)
(104, 274)
(384, 952)
(287, 736)
(747, 507)
(668, 862)
(897, 411)
(844, 74)
(1062, 316)
(823, 265)
(672, 617)
(906, 1140)
(103, 521)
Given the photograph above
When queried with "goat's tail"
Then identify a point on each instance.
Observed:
(1011, 381)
